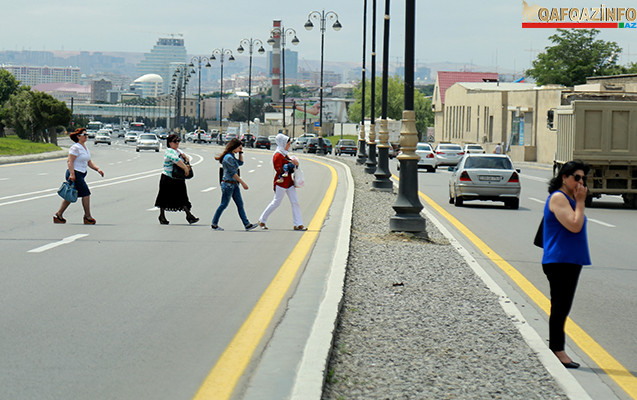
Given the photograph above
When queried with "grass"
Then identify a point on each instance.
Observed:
(14, 146)
(334, 139)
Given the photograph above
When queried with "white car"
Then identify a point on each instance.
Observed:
(428, 158)
(103, 136)
(473, 148)
(130, 137)
(147, 141)
(449, 153)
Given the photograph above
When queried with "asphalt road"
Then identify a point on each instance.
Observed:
(606, 297)
(129, 308)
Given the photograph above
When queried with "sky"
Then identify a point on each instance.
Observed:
(486, 34)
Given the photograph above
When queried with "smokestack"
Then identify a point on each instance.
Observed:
(276, 62)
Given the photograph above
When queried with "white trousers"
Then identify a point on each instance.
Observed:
(279, 193)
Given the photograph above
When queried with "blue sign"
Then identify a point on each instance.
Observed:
(317, 123)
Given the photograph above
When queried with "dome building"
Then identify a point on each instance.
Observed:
(149, 85)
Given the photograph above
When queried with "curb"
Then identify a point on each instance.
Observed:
(51, 155)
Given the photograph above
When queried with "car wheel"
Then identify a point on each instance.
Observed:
(512, 203)
(156, 150)
(432, 169)
(137, 150)
(459, 201)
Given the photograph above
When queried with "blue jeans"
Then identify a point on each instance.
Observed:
(230, 190)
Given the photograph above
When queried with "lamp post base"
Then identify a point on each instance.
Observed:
(362, 156)
(370, 165)
(382, 174)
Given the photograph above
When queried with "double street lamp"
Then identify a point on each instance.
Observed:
(199, 61)
(179, 81)
(222, 53)
(322, 17)
(282, 33)
(250, 43)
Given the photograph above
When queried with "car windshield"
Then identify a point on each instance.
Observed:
(148, 137)
(488, 162)
(450, 147)
(423, 147)
(474, 147)
(347, 143)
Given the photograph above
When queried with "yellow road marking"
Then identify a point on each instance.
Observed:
(224, 376)
(595, 351)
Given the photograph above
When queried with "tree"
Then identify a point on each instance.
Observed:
(395, 103)
(575, 56)
(8, 86)
(49, 113)
(32, 114)
(240, 110)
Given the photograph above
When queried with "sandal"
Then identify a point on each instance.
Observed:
(163, 220)
(262, 225)
(58, 220)
(300, 228)
(89, 221)
(191, 219)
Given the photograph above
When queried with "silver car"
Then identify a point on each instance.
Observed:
(449, 154)
(485, 177)
(130, 137)
(147, 141)
(428, 158)
(103, 136)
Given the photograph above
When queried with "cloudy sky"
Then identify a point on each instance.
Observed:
(487, 34)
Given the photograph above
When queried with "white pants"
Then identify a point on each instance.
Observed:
(279, 192)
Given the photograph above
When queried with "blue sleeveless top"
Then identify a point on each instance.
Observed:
(560, 244)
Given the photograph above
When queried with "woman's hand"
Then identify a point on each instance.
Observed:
(580, 192)
(72, 176)
(99, 171)
(245, 186)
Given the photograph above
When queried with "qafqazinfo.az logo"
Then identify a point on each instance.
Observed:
(534, 16)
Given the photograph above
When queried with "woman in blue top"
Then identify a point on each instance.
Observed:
(230, 184)
(565, 248)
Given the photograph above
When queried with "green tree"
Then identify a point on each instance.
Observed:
(35, 115)
(8, 86)
(240, 110)
(395, 103)
(575, 55)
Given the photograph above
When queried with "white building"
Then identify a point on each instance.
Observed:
(167, 51)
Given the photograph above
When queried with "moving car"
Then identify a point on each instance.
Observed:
(103, 136)
(299, 143)
(312, 146)
(248, 140)
(262, 142)
(229, 136)
(147, 141)
(485, 177)
(428, 158)
(130, 137)
(449, 153)
(345, 146)
(473, 148)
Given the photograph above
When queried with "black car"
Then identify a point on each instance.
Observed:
(312, 145)
(262, 142)
(248, 140)
(345, 146)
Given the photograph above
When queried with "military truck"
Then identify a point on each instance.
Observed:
(603, 134)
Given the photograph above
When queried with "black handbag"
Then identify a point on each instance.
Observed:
(179, 173)
(539, 235)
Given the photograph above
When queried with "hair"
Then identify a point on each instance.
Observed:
(74, 135)
(567, 169)
(171, 138)
(232, 144)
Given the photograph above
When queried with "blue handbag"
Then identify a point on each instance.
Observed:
(68, 191)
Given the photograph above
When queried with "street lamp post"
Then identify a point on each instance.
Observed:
(250, 43)
(370, 165)
(322, 17)
(199, 61)
(221, 53)
(407, 205)
(180, 78)
(382, 173)
(362, 157)
(282, 33)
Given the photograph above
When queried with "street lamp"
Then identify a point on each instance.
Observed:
(407, 205)
(250, 43)
(370, 165)
(199, 61)
(180, 78)
(322, 17)
(382, 173)
(221, 53)
(362, 157)
(282, 33)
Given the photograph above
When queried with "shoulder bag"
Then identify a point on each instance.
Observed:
(179, 173)
(539, 235)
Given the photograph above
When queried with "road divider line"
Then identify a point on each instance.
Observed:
(209, 189)
(537, 200)
(613, 368)
(53, 245)
(601, 223)
(224, 376)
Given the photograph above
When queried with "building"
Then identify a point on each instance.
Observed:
(34, 75)
(167, 51)
(65, 92)
(291, 65)
(100, 90)
(149, 85)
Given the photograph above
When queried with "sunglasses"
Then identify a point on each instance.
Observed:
(176, 141)
(579, 178)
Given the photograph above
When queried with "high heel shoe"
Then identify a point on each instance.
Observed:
(571, 364)
(191, 219)
(262, 225)
(89, 221)
(58, 220)
(163, 220)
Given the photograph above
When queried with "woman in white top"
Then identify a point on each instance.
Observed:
(78, 163)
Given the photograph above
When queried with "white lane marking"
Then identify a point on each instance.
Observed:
(4, 179)
(260, 161)
(534, 178)
(590, 219)
(602, 223)
(260, 165)
(43, 173)
(209, 189)
(153, 209)
(252, 170)
(50, 246)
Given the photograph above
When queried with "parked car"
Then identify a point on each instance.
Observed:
(485, 177)
(103, 136)
(190, 137)
(130, 137)
(229, 136)
(428, 158)
(248, 140)
(392, 150)
(262, 142)
(299, 143)
(272, 139)
(345, 146)
(312, 146)
(449, 153)
(473, 148)
(148, 141)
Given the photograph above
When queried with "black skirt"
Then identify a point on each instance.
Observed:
(172, 194)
